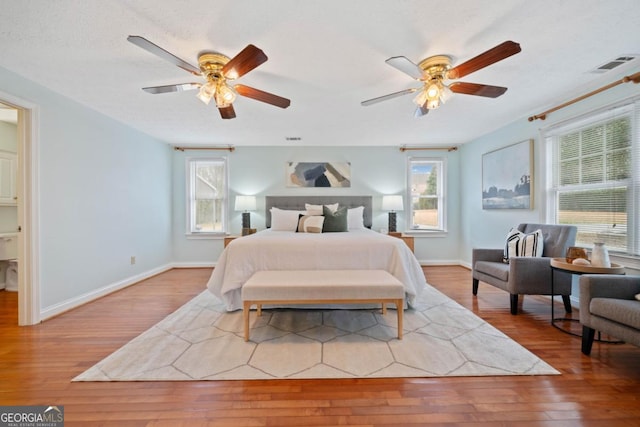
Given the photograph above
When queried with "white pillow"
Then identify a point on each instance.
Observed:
(355, 218)
(522, 244)
(317, 209)
(310, 224)
(284, 220)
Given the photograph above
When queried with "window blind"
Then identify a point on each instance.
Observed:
(593, 179)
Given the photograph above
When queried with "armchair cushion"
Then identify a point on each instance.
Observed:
(626, 312)
(494, 269)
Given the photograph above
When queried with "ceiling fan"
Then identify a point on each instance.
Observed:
(217, 70)
(434, 71)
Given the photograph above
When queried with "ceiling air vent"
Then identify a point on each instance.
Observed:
(620, 60)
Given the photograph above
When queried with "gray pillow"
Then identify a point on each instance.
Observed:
(334, 221)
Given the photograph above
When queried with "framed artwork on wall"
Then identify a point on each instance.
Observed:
(507, 177)
(319, 174)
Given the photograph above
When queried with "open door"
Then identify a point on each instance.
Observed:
(26, 193)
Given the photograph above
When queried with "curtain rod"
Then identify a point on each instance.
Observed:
(230, 148)
(632, 78)
(404, 148)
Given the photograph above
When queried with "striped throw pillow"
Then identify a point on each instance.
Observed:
(523, 244)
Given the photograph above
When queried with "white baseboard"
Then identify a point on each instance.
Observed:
(193, 264)
(54, 310)
(432, 263)
(436, 263)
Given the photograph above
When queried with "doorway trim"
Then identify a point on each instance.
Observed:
(28, 209)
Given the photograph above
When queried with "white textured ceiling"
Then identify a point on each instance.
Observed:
(325, 55)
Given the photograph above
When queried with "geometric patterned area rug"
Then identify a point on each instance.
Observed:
(202, 341)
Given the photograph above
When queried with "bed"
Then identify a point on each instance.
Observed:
(278, 248)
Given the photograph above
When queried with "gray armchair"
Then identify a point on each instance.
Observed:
(527, 275)
(608, 304)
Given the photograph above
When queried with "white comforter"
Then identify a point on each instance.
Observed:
(285, 250)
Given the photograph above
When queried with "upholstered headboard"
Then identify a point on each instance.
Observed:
(298, 202)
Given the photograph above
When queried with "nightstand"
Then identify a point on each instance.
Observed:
(407, 239)
(245, 232)
(228, 239)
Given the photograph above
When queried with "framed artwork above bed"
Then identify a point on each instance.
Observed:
(319, 174)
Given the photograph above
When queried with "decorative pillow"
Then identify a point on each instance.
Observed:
(284, 220)
(521, 244)
(310, 223)
(334, 221)
(317, 209)
(355, 218)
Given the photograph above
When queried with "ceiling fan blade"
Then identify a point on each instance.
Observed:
(262, 96)
(477, 89)
(498, 53)
(172, 88)
(389, 96)
(160, 52)
(421, 111)
(248, 59)
(227, 112)
(403, 64)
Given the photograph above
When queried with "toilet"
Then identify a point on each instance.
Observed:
(11, 278)
(8, 257)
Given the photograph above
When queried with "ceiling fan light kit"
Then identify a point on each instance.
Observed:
(217, 70)
(434, 71)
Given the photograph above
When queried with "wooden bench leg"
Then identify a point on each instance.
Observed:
(400, 310)
(245, 314)
(384, 308)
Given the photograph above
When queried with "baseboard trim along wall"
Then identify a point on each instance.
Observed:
(54, 310)
(194, 264)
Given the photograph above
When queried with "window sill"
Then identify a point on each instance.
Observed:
(629, 261)
(206, 236)
(425, 233)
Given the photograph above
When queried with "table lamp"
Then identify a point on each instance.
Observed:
(392, 204)
(246, 204)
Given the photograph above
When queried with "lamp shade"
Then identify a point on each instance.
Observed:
(392, 203)
(245, 203)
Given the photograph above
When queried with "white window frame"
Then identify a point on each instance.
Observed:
(441, 164)
(190, 163)
(630, 108)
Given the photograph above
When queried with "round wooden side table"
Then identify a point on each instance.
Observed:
(561, 264)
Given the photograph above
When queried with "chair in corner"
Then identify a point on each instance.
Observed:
(527, 275)
(608, 304)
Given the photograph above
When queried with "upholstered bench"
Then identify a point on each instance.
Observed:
(282, 287)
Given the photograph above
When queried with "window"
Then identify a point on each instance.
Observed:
(594, 177)
(206, 195)
(426, 194)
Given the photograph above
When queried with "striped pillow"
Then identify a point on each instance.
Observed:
(522, 244)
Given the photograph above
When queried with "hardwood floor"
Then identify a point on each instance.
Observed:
(38, 362)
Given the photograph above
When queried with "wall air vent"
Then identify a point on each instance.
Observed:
(610, 65)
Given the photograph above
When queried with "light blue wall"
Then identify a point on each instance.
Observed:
(105, 195)
(260, 171)
(488, 228)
